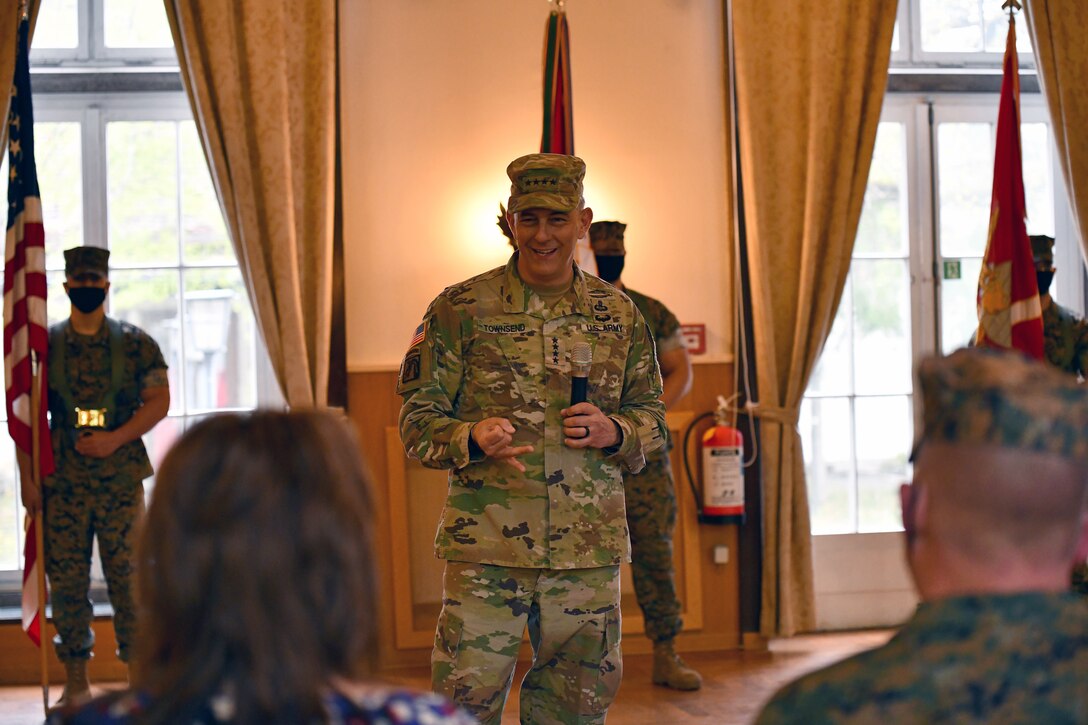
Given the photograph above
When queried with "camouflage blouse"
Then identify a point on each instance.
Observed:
(1013, 658)
(1065, 340)
(664, 327)
(490, 347)
(88, 365)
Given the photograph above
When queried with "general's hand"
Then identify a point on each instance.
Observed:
(585, 426)
(494, 436)
(97, 443)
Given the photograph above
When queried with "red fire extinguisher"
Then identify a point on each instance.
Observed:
(723, 471)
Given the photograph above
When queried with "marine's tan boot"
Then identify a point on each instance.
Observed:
(77, 688)
(670, 670)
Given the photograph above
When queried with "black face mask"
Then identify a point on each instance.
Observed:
(609, 267)
(1043, 279)
(87, 299)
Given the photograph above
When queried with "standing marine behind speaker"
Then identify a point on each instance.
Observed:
(651, 493)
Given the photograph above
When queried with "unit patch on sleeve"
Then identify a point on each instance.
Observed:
(411, 368)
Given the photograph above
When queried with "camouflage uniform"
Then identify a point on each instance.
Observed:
(985, 656)
(651, 503)
(1012, 658)
(1065, 339)
(95, 496)
(542, 546)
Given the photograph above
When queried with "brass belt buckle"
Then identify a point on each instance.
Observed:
(90, 418)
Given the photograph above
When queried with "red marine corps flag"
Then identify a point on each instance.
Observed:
(26, 331)
(1009, 315)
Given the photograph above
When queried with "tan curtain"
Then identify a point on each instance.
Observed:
(261, 77)
(10, 17)
(810, 81)
(1061, 56)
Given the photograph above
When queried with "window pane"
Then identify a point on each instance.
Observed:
(833, 374)
(826, 433)
(57, 306)
(220, 339)
(142, 167)
(58, 152)
(885, 428)
(895, 37)
(1038, 178)
(204, 235)
(959, 306)
(965, 176)
(136, 24)
(149, 300)
(11, 508)
(57, 25)
(882, 337)
(997, 29)
(951, 26)
(883, 226)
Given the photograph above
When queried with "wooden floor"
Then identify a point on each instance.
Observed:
(735, 684)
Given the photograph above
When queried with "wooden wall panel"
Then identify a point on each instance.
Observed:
(373, 407)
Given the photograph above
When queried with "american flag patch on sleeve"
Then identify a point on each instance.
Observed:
(420, 333)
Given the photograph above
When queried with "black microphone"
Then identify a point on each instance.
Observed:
(581, 355)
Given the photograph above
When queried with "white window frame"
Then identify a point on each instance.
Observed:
(910, 51)
(92, 51)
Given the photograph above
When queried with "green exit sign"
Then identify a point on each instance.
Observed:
(951, 269)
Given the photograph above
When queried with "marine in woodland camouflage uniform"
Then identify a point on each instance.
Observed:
(1065, 335)
(993, 521)
(651, 493)
(1065, 340)
(92, 496)
(539, 547)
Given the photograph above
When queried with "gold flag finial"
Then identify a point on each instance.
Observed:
(1011, 5)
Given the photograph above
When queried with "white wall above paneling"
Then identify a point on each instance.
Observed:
(438, 97)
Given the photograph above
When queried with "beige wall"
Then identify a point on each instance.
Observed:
(439, 95)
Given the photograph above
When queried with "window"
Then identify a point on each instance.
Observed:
(956, 33)
(913, 278)
(125, 170)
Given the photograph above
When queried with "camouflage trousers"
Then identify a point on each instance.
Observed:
(108, 509)
(651, 518)
(573, 618)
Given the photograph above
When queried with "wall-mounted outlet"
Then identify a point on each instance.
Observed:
(721, 554)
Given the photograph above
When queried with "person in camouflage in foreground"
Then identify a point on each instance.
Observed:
(107, 387)
(533, 530)
(1065, 341)
(651, 495)
(994, 520)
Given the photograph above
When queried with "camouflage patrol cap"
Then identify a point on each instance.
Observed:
(1005, 399)
(86, 260)
(1042, 249)
(607, 237)
(545, 181)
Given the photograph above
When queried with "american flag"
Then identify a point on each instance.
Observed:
(25, 323)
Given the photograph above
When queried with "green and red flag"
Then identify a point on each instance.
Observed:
(558, 135)
(1009, 314)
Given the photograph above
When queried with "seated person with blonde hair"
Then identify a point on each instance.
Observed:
(257, 584)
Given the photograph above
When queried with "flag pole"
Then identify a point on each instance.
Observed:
(39, 529)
